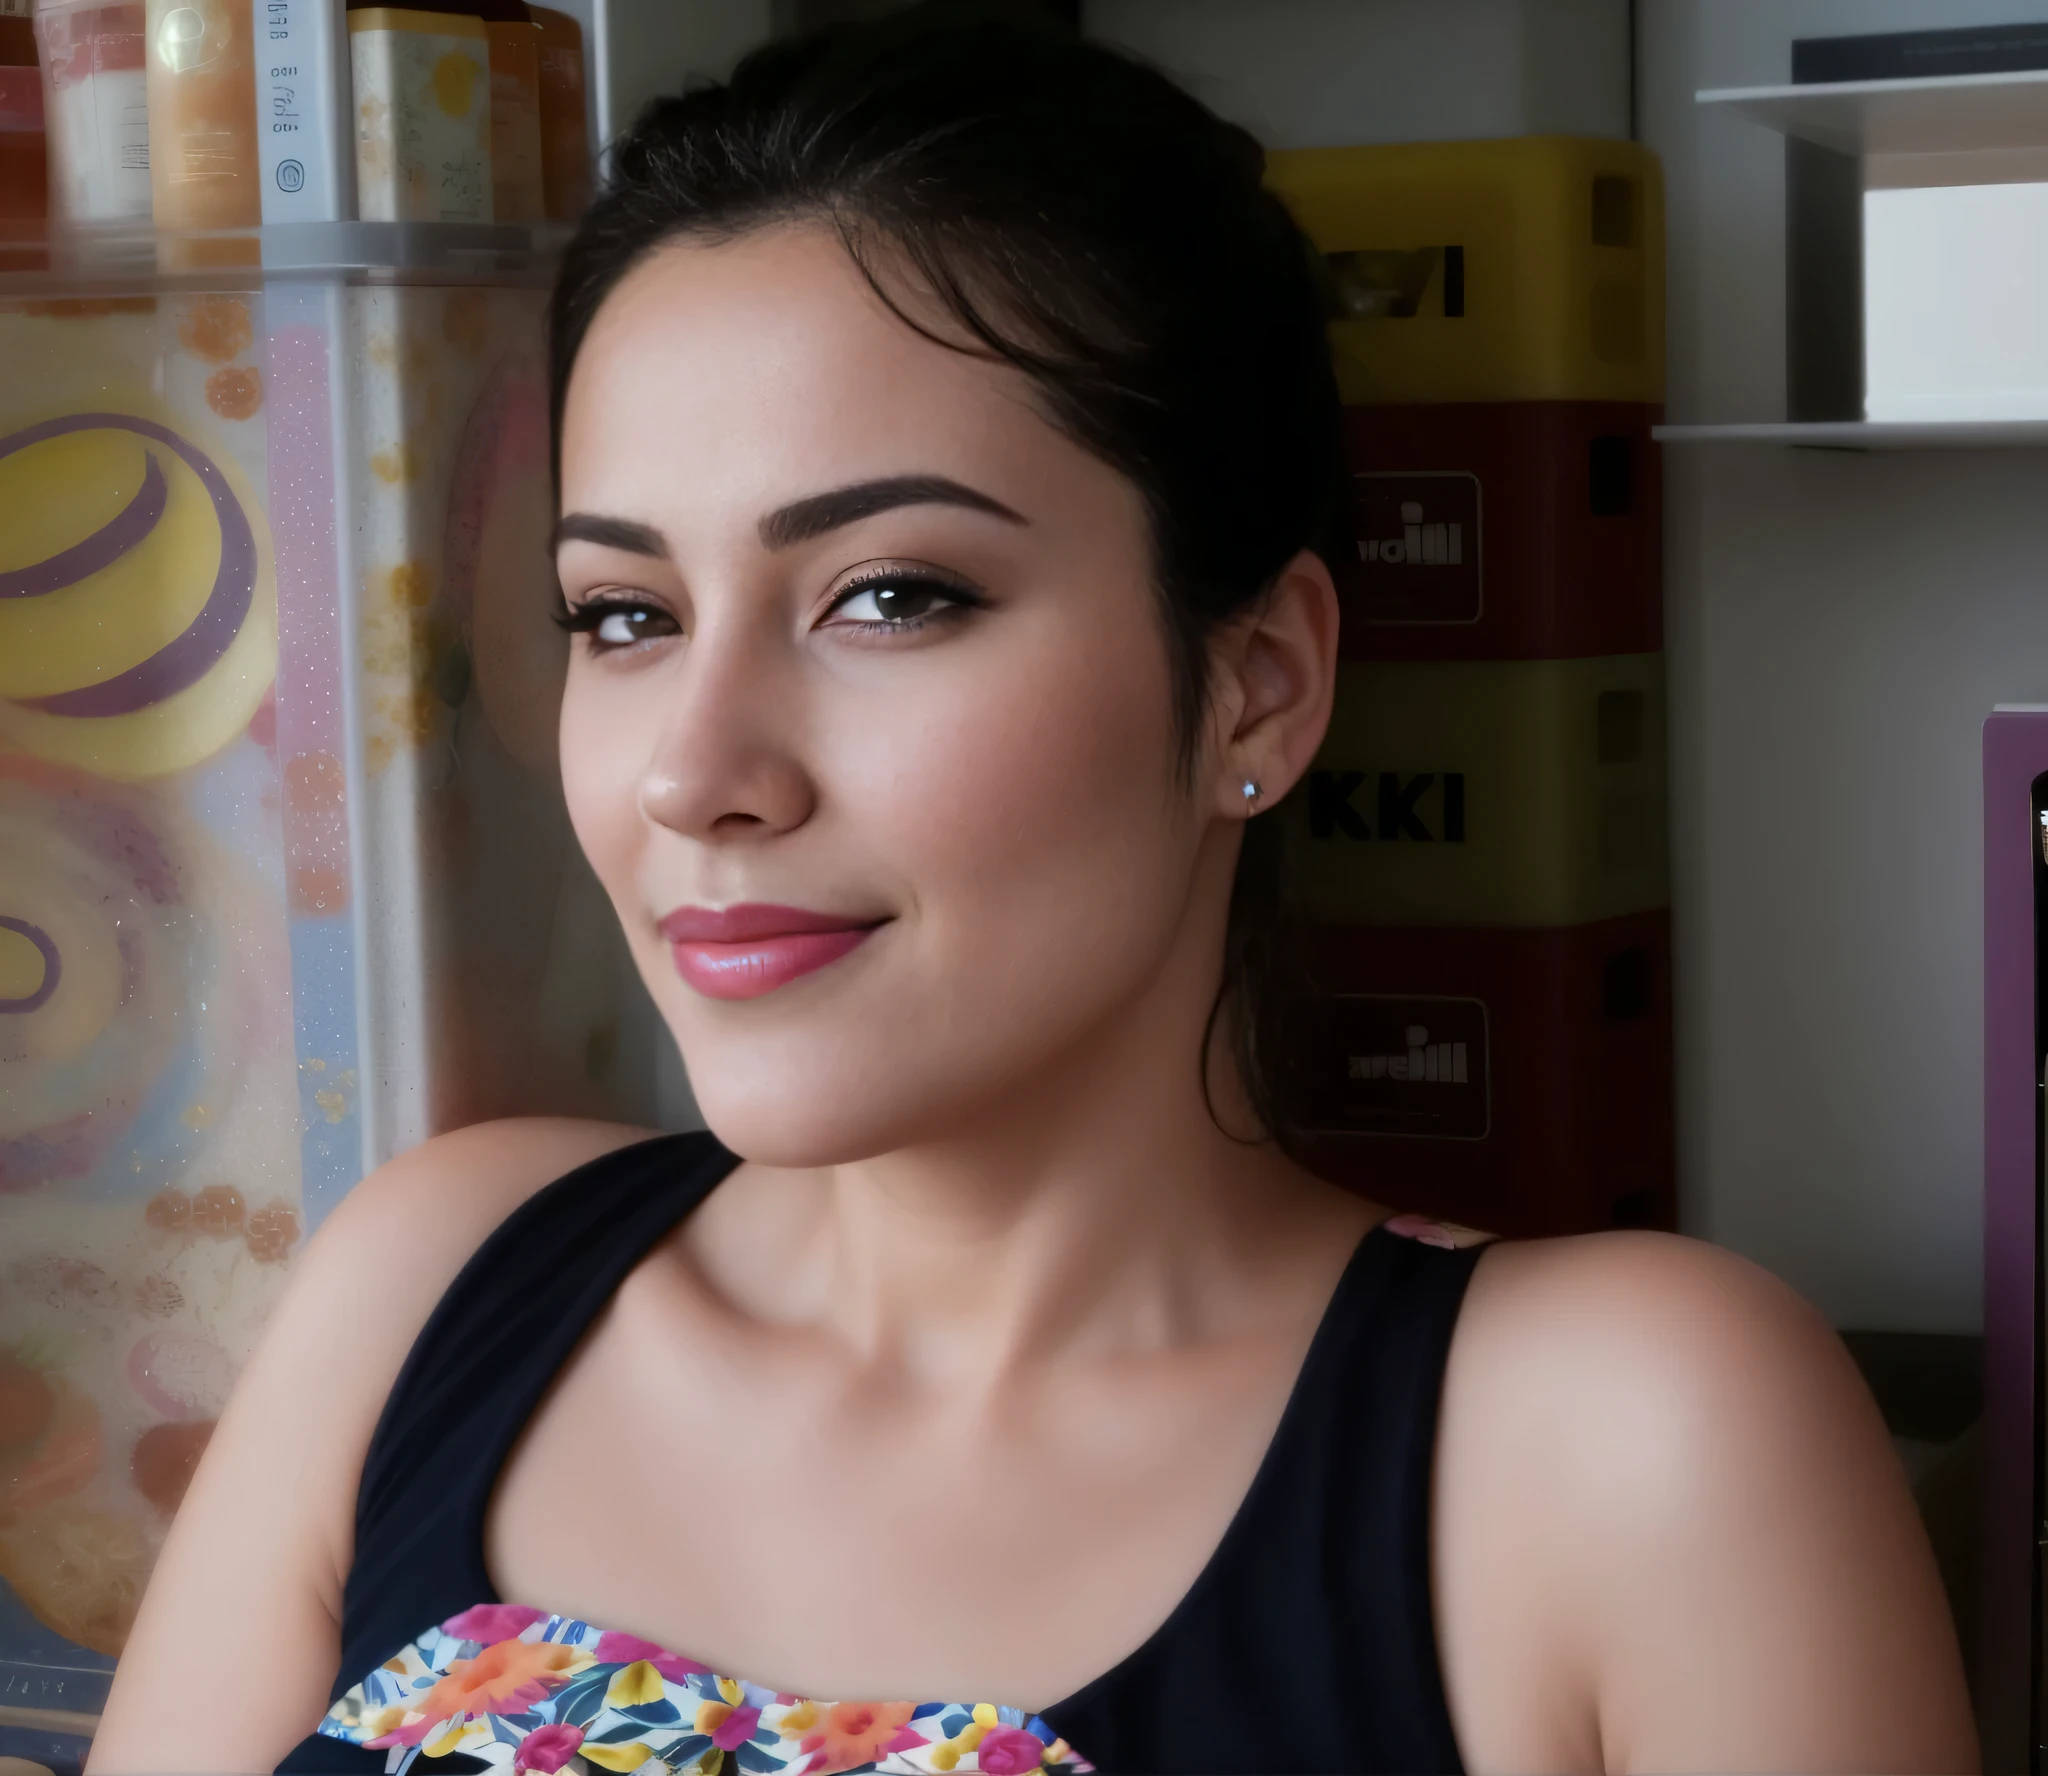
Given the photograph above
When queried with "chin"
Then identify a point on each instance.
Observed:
(838, 1090)
(848, 1066)
(802, 1117)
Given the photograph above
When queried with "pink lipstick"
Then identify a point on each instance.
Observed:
(741, 952)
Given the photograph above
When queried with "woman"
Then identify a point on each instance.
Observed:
(946, 434)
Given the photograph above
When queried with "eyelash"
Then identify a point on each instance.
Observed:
(588, 615)
(585, 617)
(959, 597)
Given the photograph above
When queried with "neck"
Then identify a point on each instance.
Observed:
(1100, 1209)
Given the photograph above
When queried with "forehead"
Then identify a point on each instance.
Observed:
(764, 368)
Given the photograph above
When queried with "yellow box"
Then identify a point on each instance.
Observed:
(1525, 269)
(1486, 792)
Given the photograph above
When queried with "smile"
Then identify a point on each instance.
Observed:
(742, 952)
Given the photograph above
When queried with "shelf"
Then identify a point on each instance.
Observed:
(1863, 434)
(60, 263)
(1951, 114)
(49, 1720)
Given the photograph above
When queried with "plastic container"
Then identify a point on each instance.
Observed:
(1519, 1081)
(422, 82)
(517, 187)
(201, 62)
(95, 110)
(1508, 530)
(564, 131)
(1503, 793)
(24, 154)
(1525, 269)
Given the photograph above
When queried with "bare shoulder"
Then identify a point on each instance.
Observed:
(261, 1546)
(1672, 1529)
(382, 1260)
(369, 1278)
(1624, 1313)
(426, 1211)
(1650, 1378)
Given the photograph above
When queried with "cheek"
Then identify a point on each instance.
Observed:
(1036, 802)
(601, 779)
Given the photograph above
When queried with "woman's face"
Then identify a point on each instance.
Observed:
(878, 651)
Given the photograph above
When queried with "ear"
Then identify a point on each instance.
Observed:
(1274, 674)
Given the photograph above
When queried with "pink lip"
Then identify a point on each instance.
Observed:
(741, 952)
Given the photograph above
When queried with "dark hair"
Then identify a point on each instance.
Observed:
(1082, 218)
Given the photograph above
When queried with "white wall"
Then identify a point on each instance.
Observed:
(1839, 625)
(1300, 72)
(1323, 73)
(653, 47)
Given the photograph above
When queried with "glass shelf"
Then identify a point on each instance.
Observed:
(50, 1720)
(1863, 434)
(1951, 114)
(39, 262)
(1938, 131)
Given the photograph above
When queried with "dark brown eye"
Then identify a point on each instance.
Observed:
(614, 623)
(621, 628)
(892, 601)
(901, 601)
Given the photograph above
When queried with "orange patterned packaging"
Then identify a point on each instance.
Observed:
(516, 187)
(564, 130)
(201, 65)
(423, 115)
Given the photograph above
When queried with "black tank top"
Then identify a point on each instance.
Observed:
(1305, 1645)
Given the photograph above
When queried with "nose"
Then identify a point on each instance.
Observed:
(727, 764)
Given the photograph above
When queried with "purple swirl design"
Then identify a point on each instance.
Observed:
(188, 656)
(102, 549)
(52, 965)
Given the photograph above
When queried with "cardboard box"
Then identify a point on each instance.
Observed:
(1512, 793)
(1519, 1081)
(1525, 269)
(1502, 530)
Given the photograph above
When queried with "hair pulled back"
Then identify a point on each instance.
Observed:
(1080, 217)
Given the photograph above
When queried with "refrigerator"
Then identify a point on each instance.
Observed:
(286, 882)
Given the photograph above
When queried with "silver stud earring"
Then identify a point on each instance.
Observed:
(1252, 793)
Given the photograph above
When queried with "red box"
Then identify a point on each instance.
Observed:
(1516, 1080)
(1502, 530)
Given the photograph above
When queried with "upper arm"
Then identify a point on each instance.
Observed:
(1674, 1534)
(234, 1650)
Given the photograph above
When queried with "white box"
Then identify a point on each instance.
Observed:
(1955, 301)
(305, 142)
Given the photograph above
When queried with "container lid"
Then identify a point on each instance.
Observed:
(557, 26)
(449, 21)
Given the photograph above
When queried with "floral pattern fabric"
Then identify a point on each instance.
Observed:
(1447, 1236)
(523, 1691)
(526, 1691)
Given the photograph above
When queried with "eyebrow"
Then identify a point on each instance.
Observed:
(801, 520)
(797, 522)
(608, 533)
